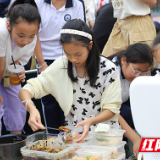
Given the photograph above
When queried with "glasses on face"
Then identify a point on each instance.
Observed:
(137, 73)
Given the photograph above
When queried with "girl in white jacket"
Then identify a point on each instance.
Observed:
(85, 84)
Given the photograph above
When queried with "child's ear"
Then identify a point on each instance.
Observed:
(123, 60)
(90, 45)
(8, 26)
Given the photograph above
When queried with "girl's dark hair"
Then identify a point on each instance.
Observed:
(136, 53)
(156, 41)
(93, 60)
(23, 10)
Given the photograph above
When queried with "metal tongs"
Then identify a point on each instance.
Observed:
(52, 128)
(61, 129)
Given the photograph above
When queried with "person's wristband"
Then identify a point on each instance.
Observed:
(42, 65)
(27, 101)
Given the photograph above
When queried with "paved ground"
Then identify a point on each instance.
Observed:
(156, 15)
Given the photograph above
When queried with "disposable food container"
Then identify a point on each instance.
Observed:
(71, 137)
(41, 136)
(108, 139)
(95, 152)
(80, 145)
(118, 152)
(47, 150)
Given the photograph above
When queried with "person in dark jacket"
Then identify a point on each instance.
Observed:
(103, 25)
(3, 5)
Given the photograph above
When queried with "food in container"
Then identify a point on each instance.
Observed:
(64, 129)
(118, 152)
(43, 149)
(114, 136)
(86, 158)
(78, 145)
(81, 145)
(99, 152)
(47, 149)
(91, 158)
(41, 136)
(114, 154)
(70, 137)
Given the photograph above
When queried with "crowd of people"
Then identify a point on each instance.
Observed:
(88, 52)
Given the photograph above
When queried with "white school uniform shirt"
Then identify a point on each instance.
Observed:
(52, 22)
(125, 84)
(91, 6)
(87, 99)
(126, 8)
(88, 17)
(21, 54)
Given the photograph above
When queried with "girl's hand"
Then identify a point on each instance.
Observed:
(136, 145)
(22, 76)
(43, 68)
(86, 125)
(1, 99)
(35, 120)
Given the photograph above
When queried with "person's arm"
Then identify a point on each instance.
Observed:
(110, 101)
(91, 23)
(151, 3)
(90, 19)
(35, 118)
(39, 56)
(131, 135)
(36, 88)
(1, 99)
(103, 116)
(3, 45)
(2, 70)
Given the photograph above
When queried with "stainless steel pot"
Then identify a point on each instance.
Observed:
(10, 146)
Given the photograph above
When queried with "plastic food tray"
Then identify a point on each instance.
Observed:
(108, 139)
(80, 145)
(99, 152)
(40, 136)
(29, 154)
(76, 146)
(118, 152)
(70, 138)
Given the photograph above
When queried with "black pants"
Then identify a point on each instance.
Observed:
(125, 112)
(53, 114)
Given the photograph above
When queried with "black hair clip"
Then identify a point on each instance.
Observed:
(27, 1)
